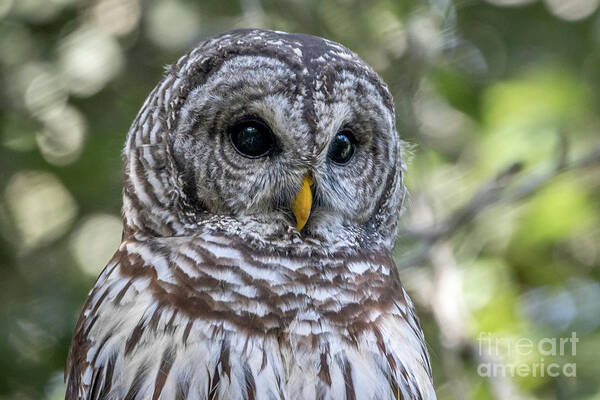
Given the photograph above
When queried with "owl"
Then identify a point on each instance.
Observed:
(262, 190)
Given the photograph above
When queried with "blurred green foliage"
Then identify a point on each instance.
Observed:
(479, 85)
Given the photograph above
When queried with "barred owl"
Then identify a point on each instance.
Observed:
(263, 183)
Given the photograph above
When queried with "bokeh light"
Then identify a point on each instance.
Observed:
(5, 6)
(572, 10)
(45, 90)
(62, 138)
(164, 32)
(117, 17)
(41, 207)
(510, 2)
(95, 241)
(89, 58)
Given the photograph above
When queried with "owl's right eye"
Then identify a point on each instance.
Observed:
(252, 138)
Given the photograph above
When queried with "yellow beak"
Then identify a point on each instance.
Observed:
(303, 203)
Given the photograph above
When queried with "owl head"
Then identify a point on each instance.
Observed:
(273, 137)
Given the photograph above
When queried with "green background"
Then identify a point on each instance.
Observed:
(497, 101)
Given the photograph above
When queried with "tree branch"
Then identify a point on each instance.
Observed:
(494, 192)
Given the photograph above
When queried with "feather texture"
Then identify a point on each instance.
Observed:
(213, 293)
(210, 317)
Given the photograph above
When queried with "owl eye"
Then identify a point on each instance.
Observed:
(342, 148)
(252, 138)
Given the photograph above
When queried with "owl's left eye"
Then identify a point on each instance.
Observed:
(342, 148)
(252, 138)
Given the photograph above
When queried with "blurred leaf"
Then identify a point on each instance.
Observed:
(556, 212)
(492, 279)
(460, 91)
(541, 98)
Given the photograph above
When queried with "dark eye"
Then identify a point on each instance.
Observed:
(342, 148)
(252, 138)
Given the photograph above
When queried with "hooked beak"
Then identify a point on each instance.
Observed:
(303, 202)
